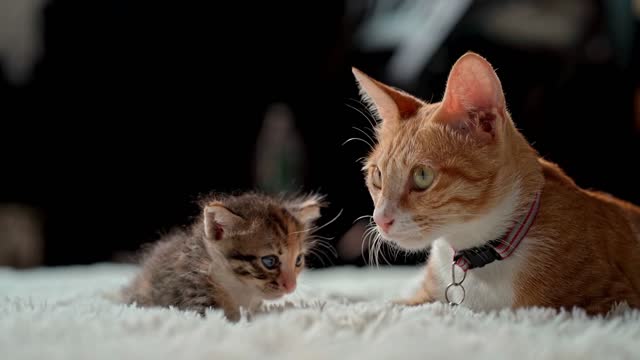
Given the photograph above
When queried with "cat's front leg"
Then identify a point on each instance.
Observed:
(418, 298)
(423, 294)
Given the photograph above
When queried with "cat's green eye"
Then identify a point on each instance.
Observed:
(422, 177)
(270, 261)
(376, 178)
(299, 260)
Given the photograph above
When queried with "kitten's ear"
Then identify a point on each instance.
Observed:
(473, 99)
(306, 209)
(218, 220)
(390, 104)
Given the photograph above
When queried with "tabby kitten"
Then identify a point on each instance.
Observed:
(513, 228)
(241, 250)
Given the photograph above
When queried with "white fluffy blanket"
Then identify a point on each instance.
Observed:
(342, 313)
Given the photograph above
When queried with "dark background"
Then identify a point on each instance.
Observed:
(136, 108)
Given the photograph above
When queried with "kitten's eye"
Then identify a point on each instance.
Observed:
(270, 261)
(422, 177)
(376, 178)
(299, 260)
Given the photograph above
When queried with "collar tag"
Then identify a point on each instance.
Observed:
(494, 250)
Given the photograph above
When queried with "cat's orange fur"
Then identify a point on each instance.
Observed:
(582, 250)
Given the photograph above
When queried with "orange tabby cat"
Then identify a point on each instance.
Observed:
(458, 176)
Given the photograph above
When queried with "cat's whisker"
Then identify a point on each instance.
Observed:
(362, 160)
(365, 134)
(372, 251)
(393, 250)
(377, 247)
(358, 139)
(381, 250)
(367, 116)
(370, 119)
(366, 239)
(373, 243)
(398, 250)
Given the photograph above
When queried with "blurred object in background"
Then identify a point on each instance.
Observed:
(634, 59)
(280, 156)
(412, 30)
(545, 24)
(20, 37)
(637, 108)
(21, 241)
(353, 245)
(141, 79)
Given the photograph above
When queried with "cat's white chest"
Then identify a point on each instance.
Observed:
(487, 288)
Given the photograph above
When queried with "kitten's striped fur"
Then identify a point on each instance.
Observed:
(217, 261)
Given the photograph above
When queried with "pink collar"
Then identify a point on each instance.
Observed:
(498, 249)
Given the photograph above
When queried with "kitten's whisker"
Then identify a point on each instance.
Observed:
(312, 252)
(317, 237)
(329, 258)
(316, 228)
(326, 246)
(320, 256)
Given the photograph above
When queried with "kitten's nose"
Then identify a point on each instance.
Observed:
(384, 221)
(288, 283)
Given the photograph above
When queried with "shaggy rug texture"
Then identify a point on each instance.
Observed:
(341, 313)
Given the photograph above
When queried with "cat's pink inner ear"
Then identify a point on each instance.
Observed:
(473, 100)
(473, 86)
(218, 220)
(391, 104)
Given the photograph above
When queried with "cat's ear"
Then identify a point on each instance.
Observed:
(473, 101)
(388, 103)
(306, 209)
(218, 220)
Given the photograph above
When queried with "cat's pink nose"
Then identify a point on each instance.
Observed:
(384, 222)
(288, 283)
